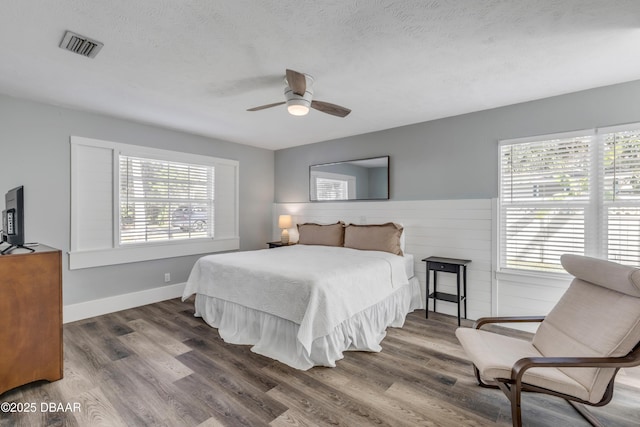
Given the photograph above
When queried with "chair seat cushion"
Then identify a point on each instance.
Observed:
(494, 356)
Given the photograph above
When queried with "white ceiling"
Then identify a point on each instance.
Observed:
(197, 65)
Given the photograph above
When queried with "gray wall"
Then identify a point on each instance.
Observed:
(457, 157)
(35, 153)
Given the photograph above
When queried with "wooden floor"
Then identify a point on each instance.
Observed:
(159, 366)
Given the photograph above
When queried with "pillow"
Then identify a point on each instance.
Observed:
(374, 237)
(319, 234)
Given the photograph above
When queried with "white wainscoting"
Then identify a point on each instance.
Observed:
(447, 228)
(521, 294)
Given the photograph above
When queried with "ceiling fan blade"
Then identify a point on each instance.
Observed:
(262, 107)
(333, 109)
(297, 82)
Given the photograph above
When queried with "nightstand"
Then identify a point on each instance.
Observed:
(447, 265)
(278, 244)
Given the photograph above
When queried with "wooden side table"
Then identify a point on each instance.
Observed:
(278, 244)
(447, 265)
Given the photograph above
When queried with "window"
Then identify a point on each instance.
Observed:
(164, 201)
(331, 189)
(621, 195)
(131, 203)
(332, 186)
(571, 193)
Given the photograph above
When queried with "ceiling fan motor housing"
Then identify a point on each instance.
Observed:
(297, 104)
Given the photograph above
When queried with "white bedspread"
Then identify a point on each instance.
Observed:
(317, 287)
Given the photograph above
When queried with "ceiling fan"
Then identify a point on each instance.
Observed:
(299, 94)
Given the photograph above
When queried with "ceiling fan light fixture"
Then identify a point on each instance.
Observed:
(296, 109)
(298, 105)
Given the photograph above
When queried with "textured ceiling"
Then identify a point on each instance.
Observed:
(198, 65)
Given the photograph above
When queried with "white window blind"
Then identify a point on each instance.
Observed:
(574, 193)
(331, 186)
(621, 195)
(545, 189)
(162, 200)
(331, 189)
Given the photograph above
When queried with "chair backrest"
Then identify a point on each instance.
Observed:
(598, 316)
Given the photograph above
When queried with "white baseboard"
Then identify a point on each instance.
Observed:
(98, 307)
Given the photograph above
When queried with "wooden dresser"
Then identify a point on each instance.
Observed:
(30, 317)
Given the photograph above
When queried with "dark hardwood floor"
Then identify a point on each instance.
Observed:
(157, 365)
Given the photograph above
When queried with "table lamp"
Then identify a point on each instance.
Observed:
(285, 222)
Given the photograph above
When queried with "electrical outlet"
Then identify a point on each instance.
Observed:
(167, 277)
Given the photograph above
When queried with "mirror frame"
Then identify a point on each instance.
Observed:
(350, 161)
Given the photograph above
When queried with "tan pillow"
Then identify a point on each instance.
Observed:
(319, 234)
(374, 237)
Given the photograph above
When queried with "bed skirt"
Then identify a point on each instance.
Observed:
(276, 338)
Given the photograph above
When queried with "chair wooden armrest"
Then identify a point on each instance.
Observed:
(521, 366)
(508, 319)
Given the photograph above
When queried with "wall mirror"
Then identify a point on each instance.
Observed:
(361, 179)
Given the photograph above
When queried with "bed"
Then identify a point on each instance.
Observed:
(304, 305)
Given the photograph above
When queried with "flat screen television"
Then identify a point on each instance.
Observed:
(13, 217)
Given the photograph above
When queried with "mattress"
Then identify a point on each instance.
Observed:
(408, 265)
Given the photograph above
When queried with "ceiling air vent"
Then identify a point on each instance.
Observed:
(80, 44)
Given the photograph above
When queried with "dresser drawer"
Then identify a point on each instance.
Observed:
(440, 266)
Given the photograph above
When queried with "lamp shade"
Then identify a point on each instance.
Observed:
(285, 221)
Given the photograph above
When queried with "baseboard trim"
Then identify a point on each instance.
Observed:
(98, 307)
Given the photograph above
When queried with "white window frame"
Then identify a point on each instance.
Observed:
(595, 216)
(96, 241)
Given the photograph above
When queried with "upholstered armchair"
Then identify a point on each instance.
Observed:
(591, 333)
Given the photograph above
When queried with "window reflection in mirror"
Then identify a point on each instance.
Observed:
(362, 179)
